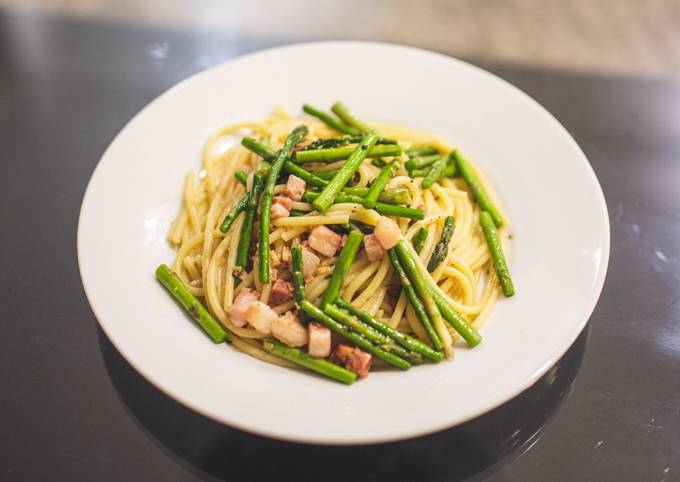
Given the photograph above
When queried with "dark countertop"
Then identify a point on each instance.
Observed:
(72, 409)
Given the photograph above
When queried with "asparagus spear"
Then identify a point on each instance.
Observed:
(268, 154)
(354, 338)
(342, 266)
(190, 303)
(348, 118)
(420, 172)
(415, 301)
(382, 341)
(329, 142)
(441, 250)
(241, 177)
(421, 161)
(341, 141)
(390, 209)
(421, 151)
(233, 214)
(377, 162)
(397, 195)
(454, 319)
(470, 177)
(326, 175)
(336, 184)
(293, 139)
(436, 171)
(381, 208)
(319, 365)
(340, 153)
(298, 278)
(496, 250)
(458, 323)
(408, 342)
(419, 240)
(450, 170)
(330, 121)
(246, 236)
(379, 184)
(258, 148)
(420, 284)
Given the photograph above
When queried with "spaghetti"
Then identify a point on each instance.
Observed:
(465, 278)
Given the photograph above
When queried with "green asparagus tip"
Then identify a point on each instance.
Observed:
(190, 303)
(319, 365)
(496, 250)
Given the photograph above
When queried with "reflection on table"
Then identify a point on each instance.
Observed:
(478, 447)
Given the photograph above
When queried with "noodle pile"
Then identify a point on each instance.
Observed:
(205, 259)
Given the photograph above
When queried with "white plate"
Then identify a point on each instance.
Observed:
(558, 257)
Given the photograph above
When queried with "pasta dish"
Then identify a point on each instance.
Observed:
(325, 242)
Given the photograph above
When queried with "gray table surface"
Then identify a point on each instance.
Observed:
(72, 409)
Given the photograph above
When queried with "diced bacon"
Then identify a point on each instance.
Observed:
(295, 188)
(319, 340)
(354, 359)
(324, 241)
(359, 362)
(237, 310)
(289, 330)
(278, 211)
(260, 316)
(374, 249)
(341, 353)
(387, 232)
(282, 291)
(284, 201)
(310, 262)
(343, 240)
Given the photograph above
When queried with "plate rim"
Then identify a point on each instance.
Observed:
(362, 440)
